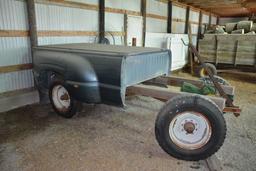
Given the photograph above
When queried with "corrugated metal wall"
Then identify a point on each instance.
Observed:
(156, 8)
(194, 20)
(114, 19)
(14, 46)
(179, 13)
(74, 21)
(66, 19)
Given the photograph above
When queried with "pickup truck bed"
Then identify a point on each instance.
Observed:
(96, 73)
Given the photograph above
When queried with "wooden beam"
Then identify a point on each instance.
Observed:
(229, 6)
(14, 68)
(160, 17)
(165, 94)
(122, 11)
(101, 20)
(187, 20)
(14, 33)
(178, 4)
(169, 23)
(143, 11)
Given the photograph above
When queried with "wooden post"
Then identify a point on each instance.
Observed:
(101, 20)
(125, 29)
(144, 15)
(187, 20)
(169, 25)
(32, 24)
(210, 20)
(199, 27)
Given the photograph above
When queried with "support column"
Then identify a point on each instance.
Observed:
(144, 15)
(199, 27)
(187, 20)
(210, 19)
(101, 20)
(32, 24)
(169, 25)
(218, 20)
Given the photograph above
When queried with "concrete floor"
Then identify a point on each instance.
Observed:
(103, 137)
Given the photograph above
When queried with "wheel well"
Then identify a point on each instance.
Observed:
(47, 77)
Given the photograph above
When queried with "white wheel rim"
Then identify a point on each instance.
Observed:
(60, 98)
(190, 130)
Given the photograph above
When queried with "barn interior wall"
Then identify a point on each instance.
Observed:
(74, 21)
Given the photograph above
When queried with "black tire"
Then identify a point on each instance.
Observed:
(67, 112)
(220, 80)
(204, 73)
(195, 103)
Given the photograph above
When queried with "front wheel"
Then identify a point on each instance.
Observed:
(190, 127)
(61, 100)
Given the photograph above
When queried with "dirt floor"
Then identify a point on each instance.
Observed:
(102, 137)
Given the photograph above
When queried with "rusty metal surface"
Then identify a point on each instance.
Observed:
(177, 81)
(229, 101)
(165, 94)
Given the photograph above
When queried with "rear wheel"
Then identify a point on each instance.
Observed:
(203, 72)
(190, 128)
(61, 100)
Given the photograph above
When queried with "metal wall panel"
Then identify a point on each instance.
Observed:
(156, 7)
(114, 22)
(205, 19)
(178, 12)
(214, 20)
(178, 27)
(13, 15)
(173, 42)
(156, 25)
(117, 40)
(194, 28)
(70, 39)
(16, 80)
(194, 16)
(153, 24)
(14, 50)
(51, 17)
(133, 5)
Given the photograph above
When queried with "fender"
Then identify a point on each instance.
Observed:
(79, 75)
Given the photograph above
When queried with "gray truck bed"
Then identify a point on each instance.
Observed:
(101, 48)
(102, 72)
